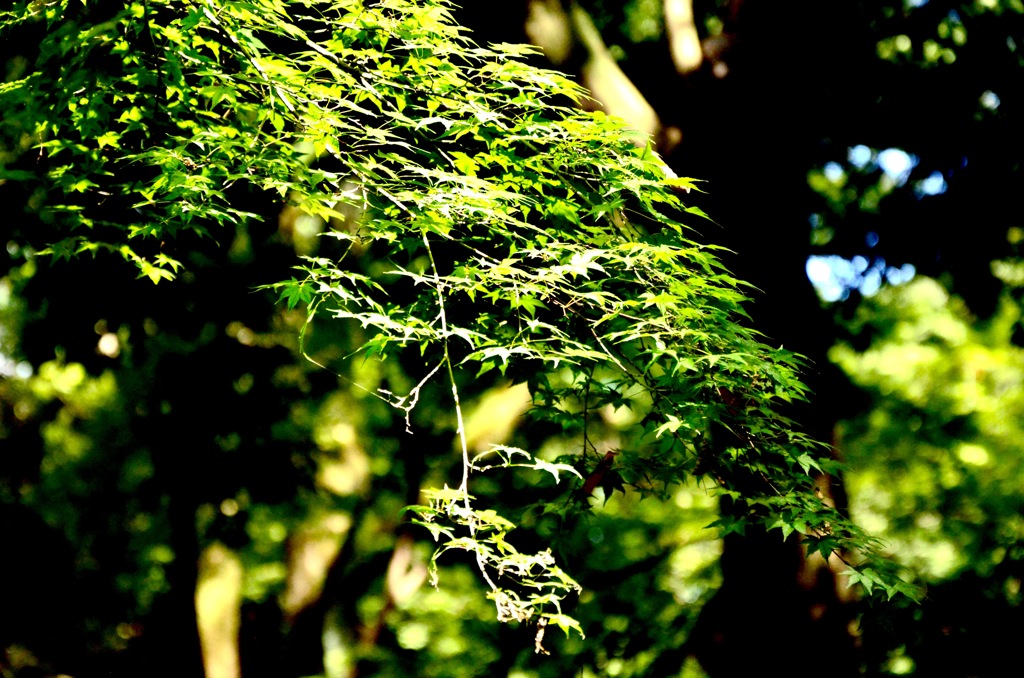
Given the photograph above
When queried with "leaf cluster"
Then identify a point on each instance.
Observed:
(498, 228)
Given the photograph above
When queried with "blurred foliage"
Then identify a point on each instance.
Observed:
(937, 468)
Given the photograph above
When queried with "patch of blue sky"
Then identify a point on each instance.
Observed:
(897, 163)
(860, 156)
(990, 100)
(834, 277)
(934, 184)
(833, 171)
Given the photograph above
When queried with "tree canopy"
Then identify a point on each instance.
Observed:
(502, 359)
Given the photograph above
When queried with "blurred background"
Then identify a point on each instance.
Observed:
(182, 491)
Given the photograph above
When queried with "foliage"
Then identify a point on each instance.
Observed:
(937, 463)
(481, 227)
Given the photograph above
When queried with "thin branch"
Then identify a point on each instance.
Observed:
(461, 431)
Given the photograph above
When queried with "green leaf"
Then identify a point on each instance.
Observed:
(566, 623)
(555, 469)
